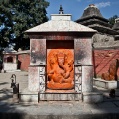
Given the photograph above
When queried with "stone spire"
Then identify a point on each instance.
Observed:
(91, 10)
(61, 10)
(93, 18)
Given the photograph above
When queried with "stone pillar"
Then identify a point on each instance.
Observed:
(83, 57)
(36, 79)
(33, 78)
(87, 78)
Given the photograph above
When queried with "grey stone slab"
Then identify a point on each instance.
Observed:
(106, 105)
(116, 103)
(107, 110)
(59, 97)
(92, 97)
(90, 106)
(105, 84)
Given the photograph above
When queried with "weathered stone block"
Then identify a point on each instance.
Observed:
(105, 84)
(83, 51)
(27, 96)
(33, 78)
(92, 97)
(60, 96)
(87, 78)
(10, 66)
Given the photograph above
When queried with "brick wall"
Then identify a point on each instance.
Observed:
(102, 60)
(23, 61)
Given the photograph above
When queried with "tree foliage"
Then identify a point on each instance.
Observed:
(112, 19)
(16, 16)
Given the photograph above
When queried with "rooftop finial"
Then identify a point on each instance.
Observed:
(61, 10)
(92, 5)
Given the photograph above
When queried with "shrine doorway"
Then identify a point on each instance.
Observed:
(60, 65)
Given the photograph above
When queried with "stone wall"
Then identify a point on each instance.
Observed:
(23, 61)
(104, 41)
(9, 62)
(10, 66)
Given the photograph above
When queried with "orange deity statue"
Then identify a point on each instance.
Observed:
(112, 72)
(60, 69)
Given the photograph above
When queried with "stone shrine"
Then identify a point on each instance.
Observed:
(9, 60)
(61, 61)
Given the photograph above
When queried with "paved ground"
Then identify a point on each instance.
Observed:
(109, 109)
(5, 84)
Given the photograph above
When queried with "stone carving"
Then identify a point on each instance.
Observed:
(60, 69)
(112, 72)
(78, 76)
(42, 78)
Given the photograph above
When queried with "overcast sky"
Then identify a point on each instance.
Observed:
(108, 8)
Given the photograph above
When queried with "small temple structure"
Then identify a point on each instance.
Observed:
(106, 37)
(61, 65)
(92, 18)
(116, 25)
(9, 59)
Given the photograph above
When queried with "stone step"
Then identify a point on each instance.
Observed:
(35, 97)
(28, 96)
(60, 96)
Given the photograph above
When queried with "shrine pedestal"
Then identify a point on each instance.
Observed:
(28, 96)
(59, 95)
(49, 95)
(105, 84)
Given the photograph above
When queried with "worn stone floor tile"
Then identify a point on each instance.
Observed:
(106, 104)
(116, 103)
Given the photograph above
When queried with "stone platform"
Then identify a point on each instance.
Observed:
(92, 97)
(60, 95)
(56, 95)
(28, 96)
(105, 84)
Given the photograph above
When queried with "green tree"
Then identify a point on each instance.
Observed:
(5, 24)
(20, 15)
(112, 19)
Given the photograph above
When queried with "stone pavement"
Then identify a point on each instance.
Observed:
(109, 109)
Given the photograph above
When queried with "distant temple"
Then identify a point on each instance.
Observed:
(105, 43)
(93, 18)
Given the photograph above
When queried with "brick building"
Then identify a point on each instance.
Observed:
(13, 60)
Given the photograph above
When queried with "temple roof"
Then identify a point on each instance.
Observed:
(93, 18)
(92, 11)
(61, 23)
(9, 50)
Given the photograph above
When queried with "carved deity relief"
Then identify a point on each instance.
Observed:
(112, 72)
(60, 69)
